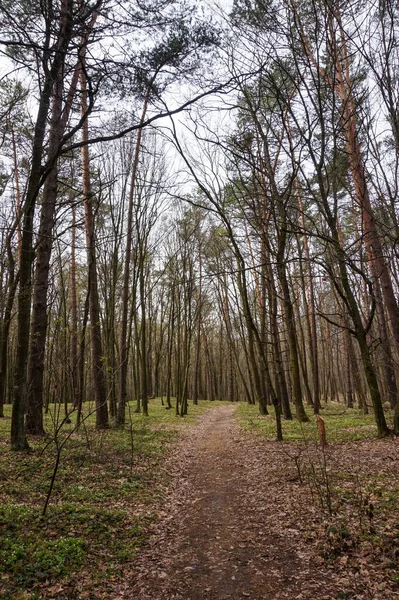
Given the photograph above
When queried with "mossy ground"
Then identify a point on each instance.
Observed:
(100, 507)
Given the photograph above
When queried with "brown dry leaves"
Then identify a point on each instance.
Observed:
(237, 522)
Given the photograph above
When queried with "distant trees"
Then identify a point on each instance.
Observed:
(55, 40)
(318, 94)
(273, 277)
(300, 211)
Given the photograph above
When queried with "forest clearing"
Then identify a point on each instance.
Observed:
(206, 507)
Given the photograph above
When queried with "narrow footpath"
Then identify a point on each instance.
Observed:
(224, 532)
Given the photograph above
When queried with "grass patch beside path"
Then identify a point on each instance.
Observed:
(342, 424)
(101, 505)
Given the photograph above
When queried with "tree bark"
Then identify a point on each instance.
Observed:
(99, 379)
(124, 349)
(34, 403)
(18, 434)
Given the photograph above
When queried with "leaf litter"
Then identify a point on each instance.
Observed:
(238, 520)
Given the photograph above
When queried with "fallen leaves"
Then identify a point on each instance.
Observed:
(236, 522)
(240, 524)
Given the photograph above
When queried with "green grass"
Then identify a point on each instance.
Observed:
(100, 508)
(342, 424)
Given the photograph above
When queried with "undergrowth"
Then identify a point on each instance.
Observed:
(99, 508)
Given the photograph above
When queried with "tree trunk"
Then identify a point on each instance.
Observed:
(310, 312)
(74, 316)
(124, 349)
(34, 404)
(276, 348)
(378, 266)
(18, 435)
(143, 339)
(81, 363)
(6, 323)
(292, 341)
(99, 380)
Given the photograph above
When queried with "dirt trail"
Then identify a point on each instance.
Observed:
(222, 535)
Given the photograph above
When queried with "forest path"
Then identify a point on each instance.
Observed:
(223, 534)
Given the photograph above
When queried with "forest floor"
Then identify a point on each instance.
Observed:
(246, 517)
(206, 507)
